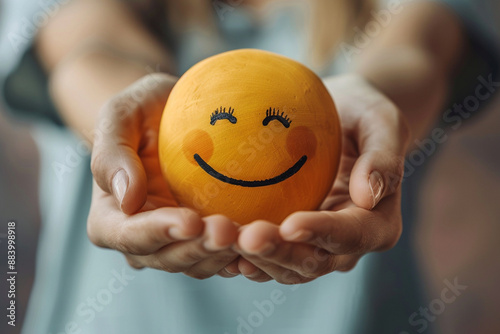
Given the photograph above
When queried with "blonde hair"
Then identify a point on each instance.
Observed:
(331, 21)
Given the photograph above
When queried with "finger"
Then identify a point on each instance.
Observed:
(133, 263)
(375, 175)
(260, 270)
(349, 231)
(142, 233)
(252, 272)
(219, 234)
(212, 265)
(231, 270)
(115, 163)
(259, 237)
(382, 135)
(306, 260)
(226, 274)
(233, 267)
(347, 263)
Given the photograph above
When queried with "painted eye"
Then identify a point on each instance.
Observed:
(220, 114)
(273, 114)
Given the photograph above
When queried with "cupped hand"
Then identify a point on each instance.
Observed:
(132, 208)
(362, 212)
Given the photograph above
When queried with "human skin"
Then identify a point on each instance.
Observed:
(132, 210)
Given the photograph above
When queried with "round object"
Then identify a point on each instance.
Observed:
(251, 135)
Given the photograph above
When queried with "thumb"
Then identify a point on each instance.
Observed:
(116, 167)
(122, 128)
(382, 136)
(375, 175)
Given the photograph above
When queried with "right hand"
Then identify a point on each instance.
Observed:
(133, 210)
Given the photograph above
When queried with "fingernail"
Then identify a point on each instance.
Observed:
(120, 185)
(300, 235)
(376, 183)
(255, 274)
(231, 273)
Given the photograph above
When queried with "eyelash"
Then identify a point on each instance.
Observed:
(223, 114)
(275, 115)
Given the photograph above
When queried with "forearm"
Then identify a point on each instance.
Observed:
(413, 61)
(80, 87)
(92, 50)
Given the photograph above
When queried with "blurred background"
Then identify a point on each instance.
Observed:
(455, 236)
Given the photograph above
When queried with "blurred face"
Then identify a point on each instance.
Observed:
(251, 135)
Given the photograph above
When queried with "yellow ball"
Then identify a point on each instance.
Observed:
(251, 135)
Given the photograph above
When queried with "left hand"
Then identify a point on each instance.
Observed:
(362, 212)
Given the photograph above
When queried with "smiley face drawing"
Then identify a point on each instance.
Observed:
(251, 135)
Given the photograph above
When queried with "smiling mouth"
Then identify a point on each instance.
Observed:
(259, 183)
